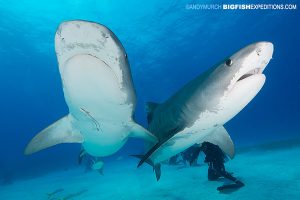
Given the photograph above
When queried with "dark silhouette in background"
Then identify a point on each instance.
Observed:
(215, 158)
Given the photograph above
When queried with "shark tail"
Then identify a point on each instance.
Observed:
(59, 132)
(156, 167)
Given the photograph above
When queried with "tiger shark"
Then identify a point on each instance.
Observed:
(198, 111)
(98, 90)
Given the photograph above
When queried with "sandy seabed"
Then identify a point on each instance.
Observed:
(269, 173)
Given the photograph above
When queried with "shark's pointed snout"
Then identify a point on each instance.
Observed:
(265, 49)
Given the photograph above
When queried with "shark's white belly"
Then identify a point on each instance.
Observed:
(97, 104)
(98, 90)
(103, 139)
(203, 126)
(91, 85)
(177, 144)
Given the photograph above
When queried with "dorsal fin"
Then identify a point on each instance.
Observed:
(150, 107)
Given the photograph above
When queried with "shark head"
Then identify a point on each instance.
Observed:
(86, 49)
(246, 66)
(227, 88)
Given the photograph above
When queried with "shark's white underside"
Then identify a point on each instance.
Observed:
(212, 122)
(98, 90)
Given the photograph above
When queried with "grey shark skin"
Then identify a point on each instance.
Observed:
(198, 111)
(98, 90)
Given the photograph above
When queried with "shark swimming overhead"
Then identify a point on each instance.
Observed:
(198, 111)
(98, 90)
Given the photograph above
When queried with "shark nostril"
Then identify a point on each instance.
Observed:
(258, 51)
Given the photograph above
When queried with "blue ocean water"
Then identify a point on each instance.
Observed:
(167, 45)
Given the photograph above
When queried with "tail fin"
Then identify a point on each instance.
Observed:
(156, 167)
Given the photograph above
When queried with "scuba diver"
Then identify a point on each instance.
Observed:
(215, 158)
(189, 156)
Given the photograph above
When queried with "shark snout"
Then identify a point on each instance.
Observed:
(264, 50)
(255, 58)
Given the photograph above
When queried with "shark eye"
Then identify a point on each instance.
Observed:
(228, 62)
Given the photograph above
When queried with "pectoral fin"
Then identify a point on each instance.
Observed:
(140, 132)
(219, 136)
(61, 131)
(159, 144)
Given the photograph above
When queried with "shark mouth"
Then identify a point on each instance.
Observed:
(250, 73)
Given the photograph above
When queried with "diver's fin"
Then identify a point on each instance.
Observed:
(231, 187)
(219, 136)
(59, 132)
(140, 132)
(150, 107)
(156, 167)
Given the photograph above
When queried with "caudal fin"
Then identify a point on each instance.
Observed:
(156, 167)
(59, 132)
